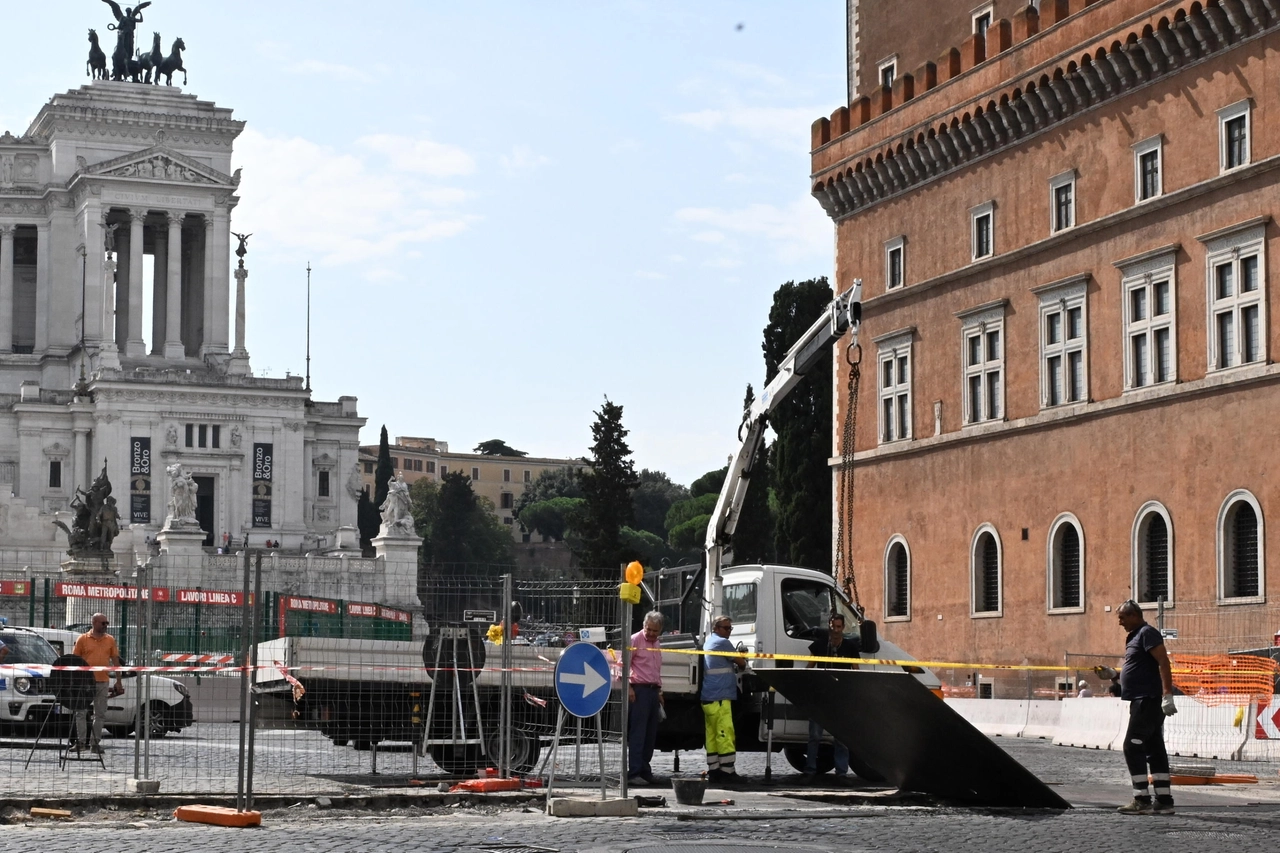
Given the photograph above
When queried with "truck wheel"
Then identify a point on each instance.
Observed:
(795, 754)
(863, 771)
(525, 750)
(456, 760)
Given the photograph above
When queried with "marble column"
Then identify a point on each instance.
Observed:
(6, 288)
(208, 288)
(108, 354)
(173, 347)
(134, 345)
(159, 288)
(239, 356)
(44, 333)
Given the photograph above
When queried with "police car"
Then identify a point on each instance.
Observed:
(171, 708)
(25, 700)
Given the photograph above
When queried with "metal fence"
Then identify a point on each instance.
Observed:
(342, 690)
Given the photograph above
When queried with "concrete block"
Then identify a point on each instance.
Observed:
(612, 807)
(142, 786)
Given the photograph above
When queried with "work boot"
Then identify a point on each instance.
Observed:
(1140, 805)
(1163, 805)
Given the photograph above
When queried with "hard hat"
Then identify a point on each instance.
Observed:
(1082, 683)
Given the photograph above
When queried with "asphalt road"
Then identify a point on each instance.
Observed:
(782, 816)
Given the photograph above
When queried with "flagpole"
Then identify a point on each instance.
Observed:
(308, 325)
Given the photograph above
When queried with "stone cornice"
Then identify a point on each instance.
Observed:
(1029, 107)
(95, 111)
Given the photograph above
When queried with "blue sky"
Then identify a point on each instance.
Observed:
(511, 209)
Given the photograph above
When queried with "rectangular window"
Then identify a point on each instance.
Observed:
(368, 467)
(1062, 343)
(895, 386)
(444, 469)
(982, 220)
(1148, 325)
(1062, 199)
(982, 20)
(322, 486)
(1233, 135)
(417, 464)
(506, 475)
(395, 462)
(1146, 168)
(508, 500)
(203, 433)
(894, 258)
(55, 473)
(475, 474)
(984, 368)
(1236, 296)
(190, 435)
(215, 437)
(528, 476)
(888, 72)
(431, 467)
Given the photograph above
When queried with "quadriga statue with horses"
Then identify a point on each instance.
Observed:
(127, 63)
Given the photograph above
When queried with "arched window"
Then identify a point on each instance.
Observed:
(1240, 548)
(1066, 564)
(897, 580)
(1152, 551)
(985, 571)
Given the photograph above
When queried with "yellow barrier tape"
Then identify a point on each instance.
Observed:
(931, 664)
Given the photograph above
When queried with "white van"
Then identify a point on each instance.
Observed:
(171, 708)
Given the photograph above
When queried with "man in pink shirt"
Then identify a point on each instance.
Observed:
(645, 695)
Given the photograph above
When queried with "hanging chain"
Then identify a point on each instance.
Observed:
(844, 497)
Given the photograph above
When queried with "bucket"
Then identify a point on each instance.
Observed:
(689, 789)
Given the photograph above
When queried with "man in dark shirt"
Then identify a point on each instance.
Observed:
(834, 645)
(1146, 683)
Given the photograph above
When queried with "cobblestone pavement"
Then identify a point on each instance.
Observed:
(1245, 817)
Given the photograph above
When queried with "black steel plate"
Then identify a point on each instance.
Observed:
(900, 729)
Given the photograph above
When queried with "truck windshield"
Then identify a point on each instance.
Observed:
(740, 602)
(808, 605)
(25, 648)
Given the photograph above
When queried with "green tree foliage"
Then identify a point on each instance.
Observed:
(497, 447)
(644, 546)
(384, 472)
(556, 483)
(368, 519)
(753, 538)
(709, 483)
(802, 422)
(554, 517)
(457, 526)
(652, 499)
(607, 489)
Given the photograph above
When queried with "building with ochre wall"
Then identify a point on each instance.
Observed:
(1064, 219)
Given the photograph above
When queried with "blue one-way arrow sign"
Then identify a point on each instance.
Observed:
(582, 680)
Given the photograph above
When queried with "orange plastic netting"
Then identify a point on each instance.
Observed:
(1225, 679)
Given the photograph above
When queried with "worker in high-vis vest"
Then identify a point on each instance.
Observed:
(719, 689)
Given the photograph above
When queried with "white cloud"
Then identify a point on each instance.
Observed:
(782, 127)
(799, 231)
(704, 236)
(522, 159)
(348, 206)
(414, 154)
(342, 73)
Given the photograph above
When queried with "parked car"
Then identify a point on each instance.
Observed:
(25, 700)
(171, 708)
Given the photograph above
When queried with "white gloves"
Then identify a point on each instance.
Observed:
(1167, 705)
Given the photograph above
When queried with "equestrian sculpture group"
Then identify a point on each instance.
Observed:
(127, 63)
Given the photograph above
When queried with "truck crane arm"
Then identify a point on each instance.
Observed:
(844, 314)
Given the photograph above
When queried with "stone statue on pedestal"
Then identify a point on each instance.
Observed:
(125, 25)
(182, 497)
(397, 513)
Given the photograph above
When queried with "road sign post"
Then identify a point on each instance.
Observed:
(582, 680)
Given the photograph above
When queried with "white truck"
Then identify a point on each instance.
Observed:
(367, 691)
(776, 610)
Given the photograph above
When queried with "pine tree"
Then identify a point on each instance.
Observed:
(802, 422)
(607, 487)
(384, 472)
